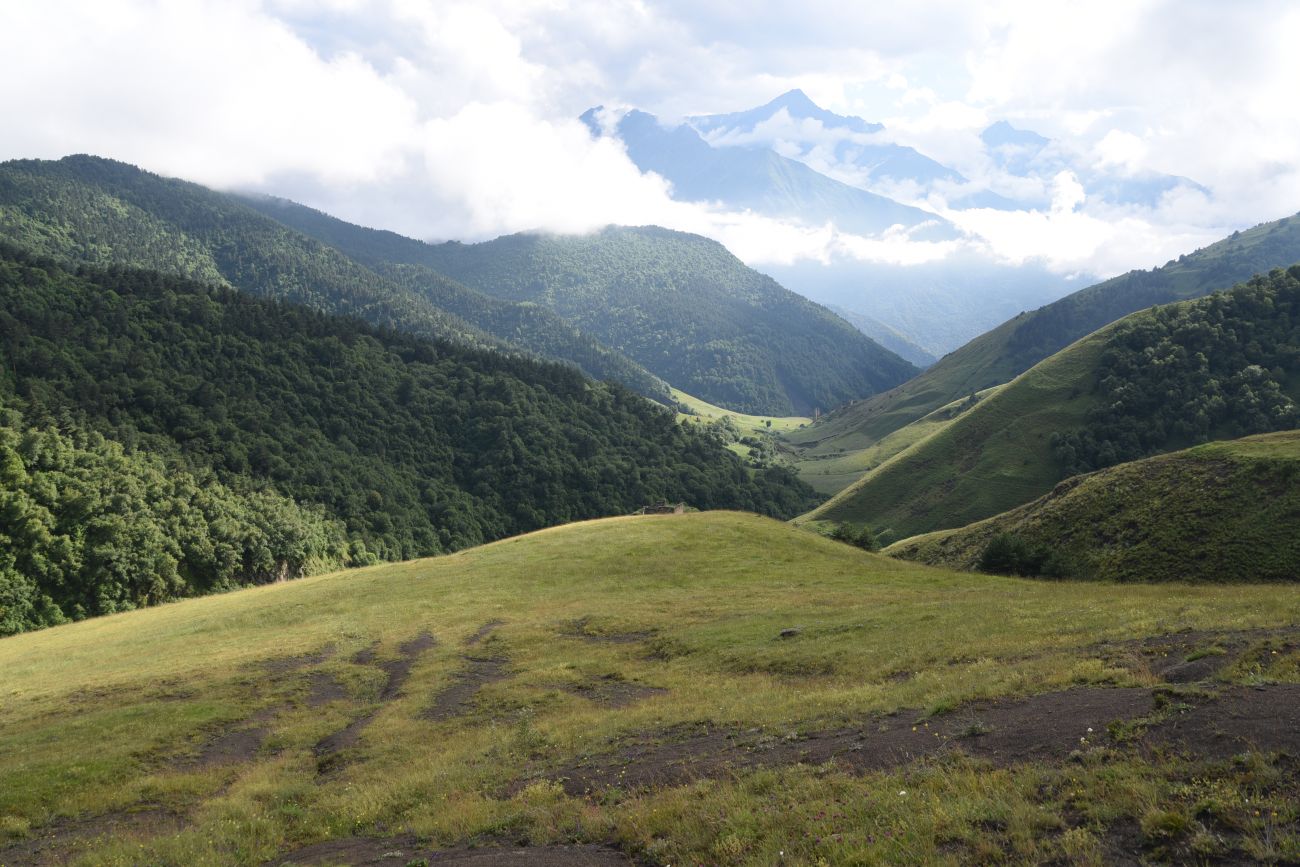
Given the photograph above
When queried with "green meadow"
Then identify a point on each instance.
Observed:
(619, 652)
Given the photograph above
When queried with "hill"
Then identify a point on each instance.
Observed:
(94, 211)
(1013, 347)
(406, 262)
(1219, 512)
(412, 446)
(1222, 366)
(618, 689)
(687, 310)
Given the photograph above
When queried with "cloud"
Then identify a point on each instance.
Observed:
(456, 118)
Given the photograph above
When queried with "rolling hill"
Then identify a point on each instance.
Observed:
(387, 445)
(89, 210)
(687, 310)
(1018, 344)
(1219, 512)
(1222, 366)
(617, 690)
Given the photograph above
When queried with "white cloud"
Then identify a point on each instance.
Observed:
(456, 119)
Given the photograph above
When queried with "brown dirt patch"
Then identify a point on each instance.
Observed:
(483, 632)
(327, 749)
(1195, 655)
(458, 698)
(229, 748)
(366, 655)
(582, 628)
(398, 670)
(612, 691)
(65, 839)
(323, 689)
(367, 851)
(285, 664)
(1043, 727)
(1264, 718)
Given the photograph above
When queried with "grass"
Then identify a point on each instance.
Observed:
(748, 424)
(992, 358)
(829, 467)
(95, 716)
(989, 459)
(1222, 512)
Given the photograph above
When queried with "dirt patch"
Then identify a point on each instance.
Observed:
(366, 655)
(65, 839)
(458, 699)
(324, 689)
(367, 851)
(286, 664)
(328, 749)
(1265, 718)
(1194, 656)
(612, 691)
(398, 670)
(483, 632)
(582, 628)
(229, 748)
(1040, 728)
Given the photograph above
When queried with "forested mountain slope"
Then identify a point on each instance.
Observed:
(1223, 366)
(95, 211)
(1219, 512)
(1016, 345)
(406, 262)
(410, 446)
(687, 310)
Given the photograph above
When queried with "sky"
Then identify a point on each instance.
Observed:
(459, 119)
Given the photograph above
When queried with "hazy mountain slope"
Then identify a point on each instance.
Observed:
(1019, 343)
(1220, 512)
(406, 261)
(416, 446)
(886, 336)
(1225, 365)
(687, 310)
(759, 179)
(939, 305)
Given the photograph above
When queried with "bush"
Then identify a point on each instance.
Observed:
(1009, 554)
(860, 537)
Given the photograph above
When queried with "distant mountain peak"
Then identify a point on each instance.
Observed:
(1003, 133)
(797, 104)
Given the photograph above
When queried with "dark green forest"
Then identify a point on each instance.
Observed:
(1223, 366)
(89, 210)
(88, 528)
(688, 311)
(412, 446)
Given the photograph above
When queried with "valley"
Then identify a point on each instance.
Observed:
(404, 462)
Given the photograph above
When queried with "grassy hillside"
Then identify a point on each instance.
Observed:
(1018, 344)
(622, 684)
(687, 310)
(1219, 512)
(404, 261)
(832, 465)
(1163, 379)
(413, 446)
